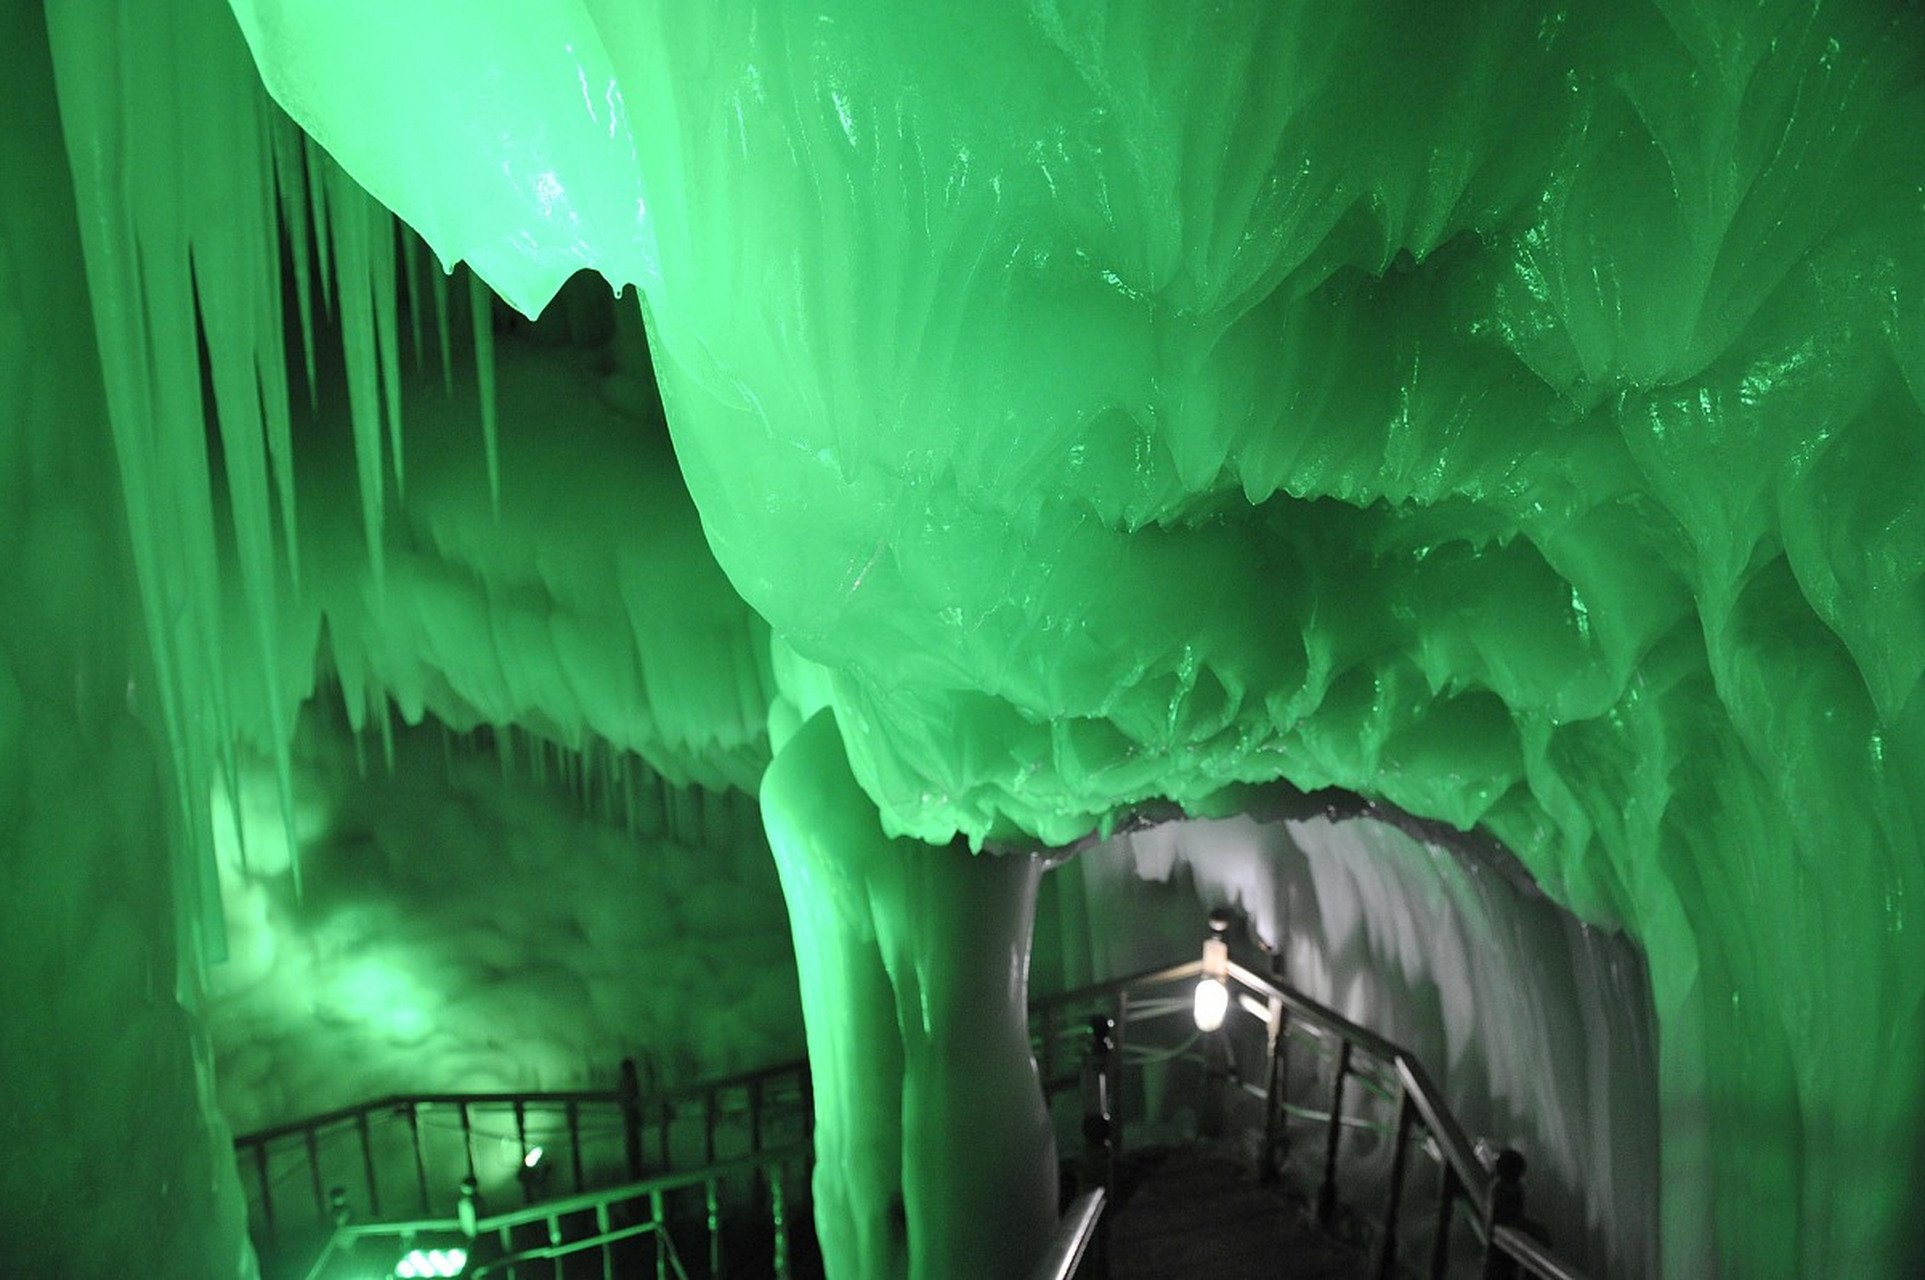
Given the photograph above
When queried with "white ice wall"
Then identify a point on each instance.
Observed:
(1538, 1028)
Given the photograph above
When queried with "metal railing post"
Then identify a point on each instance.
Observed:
(574, 1115)
(1327, 1193)
(630, 1096)
(1446, 1202)
(314, 1170)
(420, 1162)
(1394, 1199)
(267, 1189)
(1275, 1130)
(1099, 1118)
(1116, 1072)
(367, 1163)
(1506, 1210)
(524, 1174)
(468, 1139)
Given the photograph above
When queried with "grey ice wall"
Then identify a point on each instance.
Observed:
(1538, 1027)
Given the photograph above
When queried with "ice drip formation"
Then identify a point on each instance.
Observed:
(1508, 412)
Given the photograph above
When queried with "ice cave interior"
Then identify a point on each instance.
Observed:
(541, 533)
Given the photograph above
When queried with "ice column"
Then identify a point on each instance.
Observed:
(934, 1153)
(116, 1160)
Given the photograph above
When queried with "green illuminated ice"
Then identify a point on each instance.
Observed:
(1514, 414)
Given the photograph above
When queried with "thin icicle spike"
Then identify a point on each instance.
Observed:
(384, 724)
(319, 166)
(266, 330)
(411, 292)
(482, 303)
(289, 147)
(229, 774)
(182, 194)
(350, 225)
(278, 418)
(234, 229)
(444, 337)
(387, 332)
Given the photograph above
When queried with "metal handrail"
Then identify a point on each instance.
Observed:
(1421, 1103)
(1418, 1102)
(758, 1100)
(547, 1098)
(1417, 1099)
(1074, 1235)
(1530, 1251)
(665, 1182)
(345, 1235)
(401, 1101)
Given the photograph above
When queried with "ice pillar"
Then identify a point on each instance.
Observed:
(116, 1160)
(934, 1153)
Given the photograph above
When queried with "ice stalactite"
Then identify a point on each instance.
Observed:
(188, 182)
(116, 1156)
(934, 1154)
(580, 607)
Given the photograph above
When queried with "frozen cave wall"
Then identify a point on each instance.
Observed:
(468, 927)
(118, 1156)
(1554, 371)
(1512, 414)
(1537, 1027)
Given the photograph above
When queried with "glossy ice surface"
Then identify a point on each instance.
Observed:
(1512, 413)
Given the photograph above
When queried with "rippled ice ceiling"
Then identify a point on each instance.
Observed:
(1514, 415)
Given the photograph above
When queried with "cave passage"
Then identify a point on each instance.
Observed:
(1510, 414)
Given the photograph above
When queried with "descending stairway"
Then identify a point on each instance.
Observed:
(1195, 1211)
(712, 1179)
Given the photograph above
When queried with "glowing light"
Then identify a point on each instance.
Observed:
(1212, 1004)
(431, 1262)
(532, 1159)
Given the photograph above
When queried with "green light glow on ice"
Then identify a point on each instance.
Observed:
(1513, 412)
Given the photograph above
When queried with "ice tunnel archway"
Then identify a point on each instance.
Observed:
(1538, 1027)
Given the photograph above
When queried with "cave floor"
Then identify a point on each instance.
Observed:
(1194, 1211)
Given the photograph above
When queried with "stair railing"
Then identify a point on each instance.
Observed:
(1494, 1194)
(1074, 1239)
(630, 1211)
(377, 1156)
(762, 1099)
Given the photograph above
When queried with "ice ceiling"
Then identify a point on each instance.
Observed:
(1512, 412)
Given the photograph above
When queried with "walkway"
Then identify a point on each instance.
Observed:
(1190, 1211)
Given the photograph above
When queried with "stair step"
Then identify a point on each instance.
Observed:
(1196, 1212)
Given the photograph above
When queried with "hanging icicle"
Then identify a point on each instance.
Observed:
(349, 219)
(482, 301)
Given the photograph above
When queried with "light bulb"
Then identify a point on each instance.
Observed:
(1212, 1003)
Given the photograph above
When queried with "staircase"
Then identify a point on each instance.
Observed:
(1193, 1153)
(1196, 1211)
